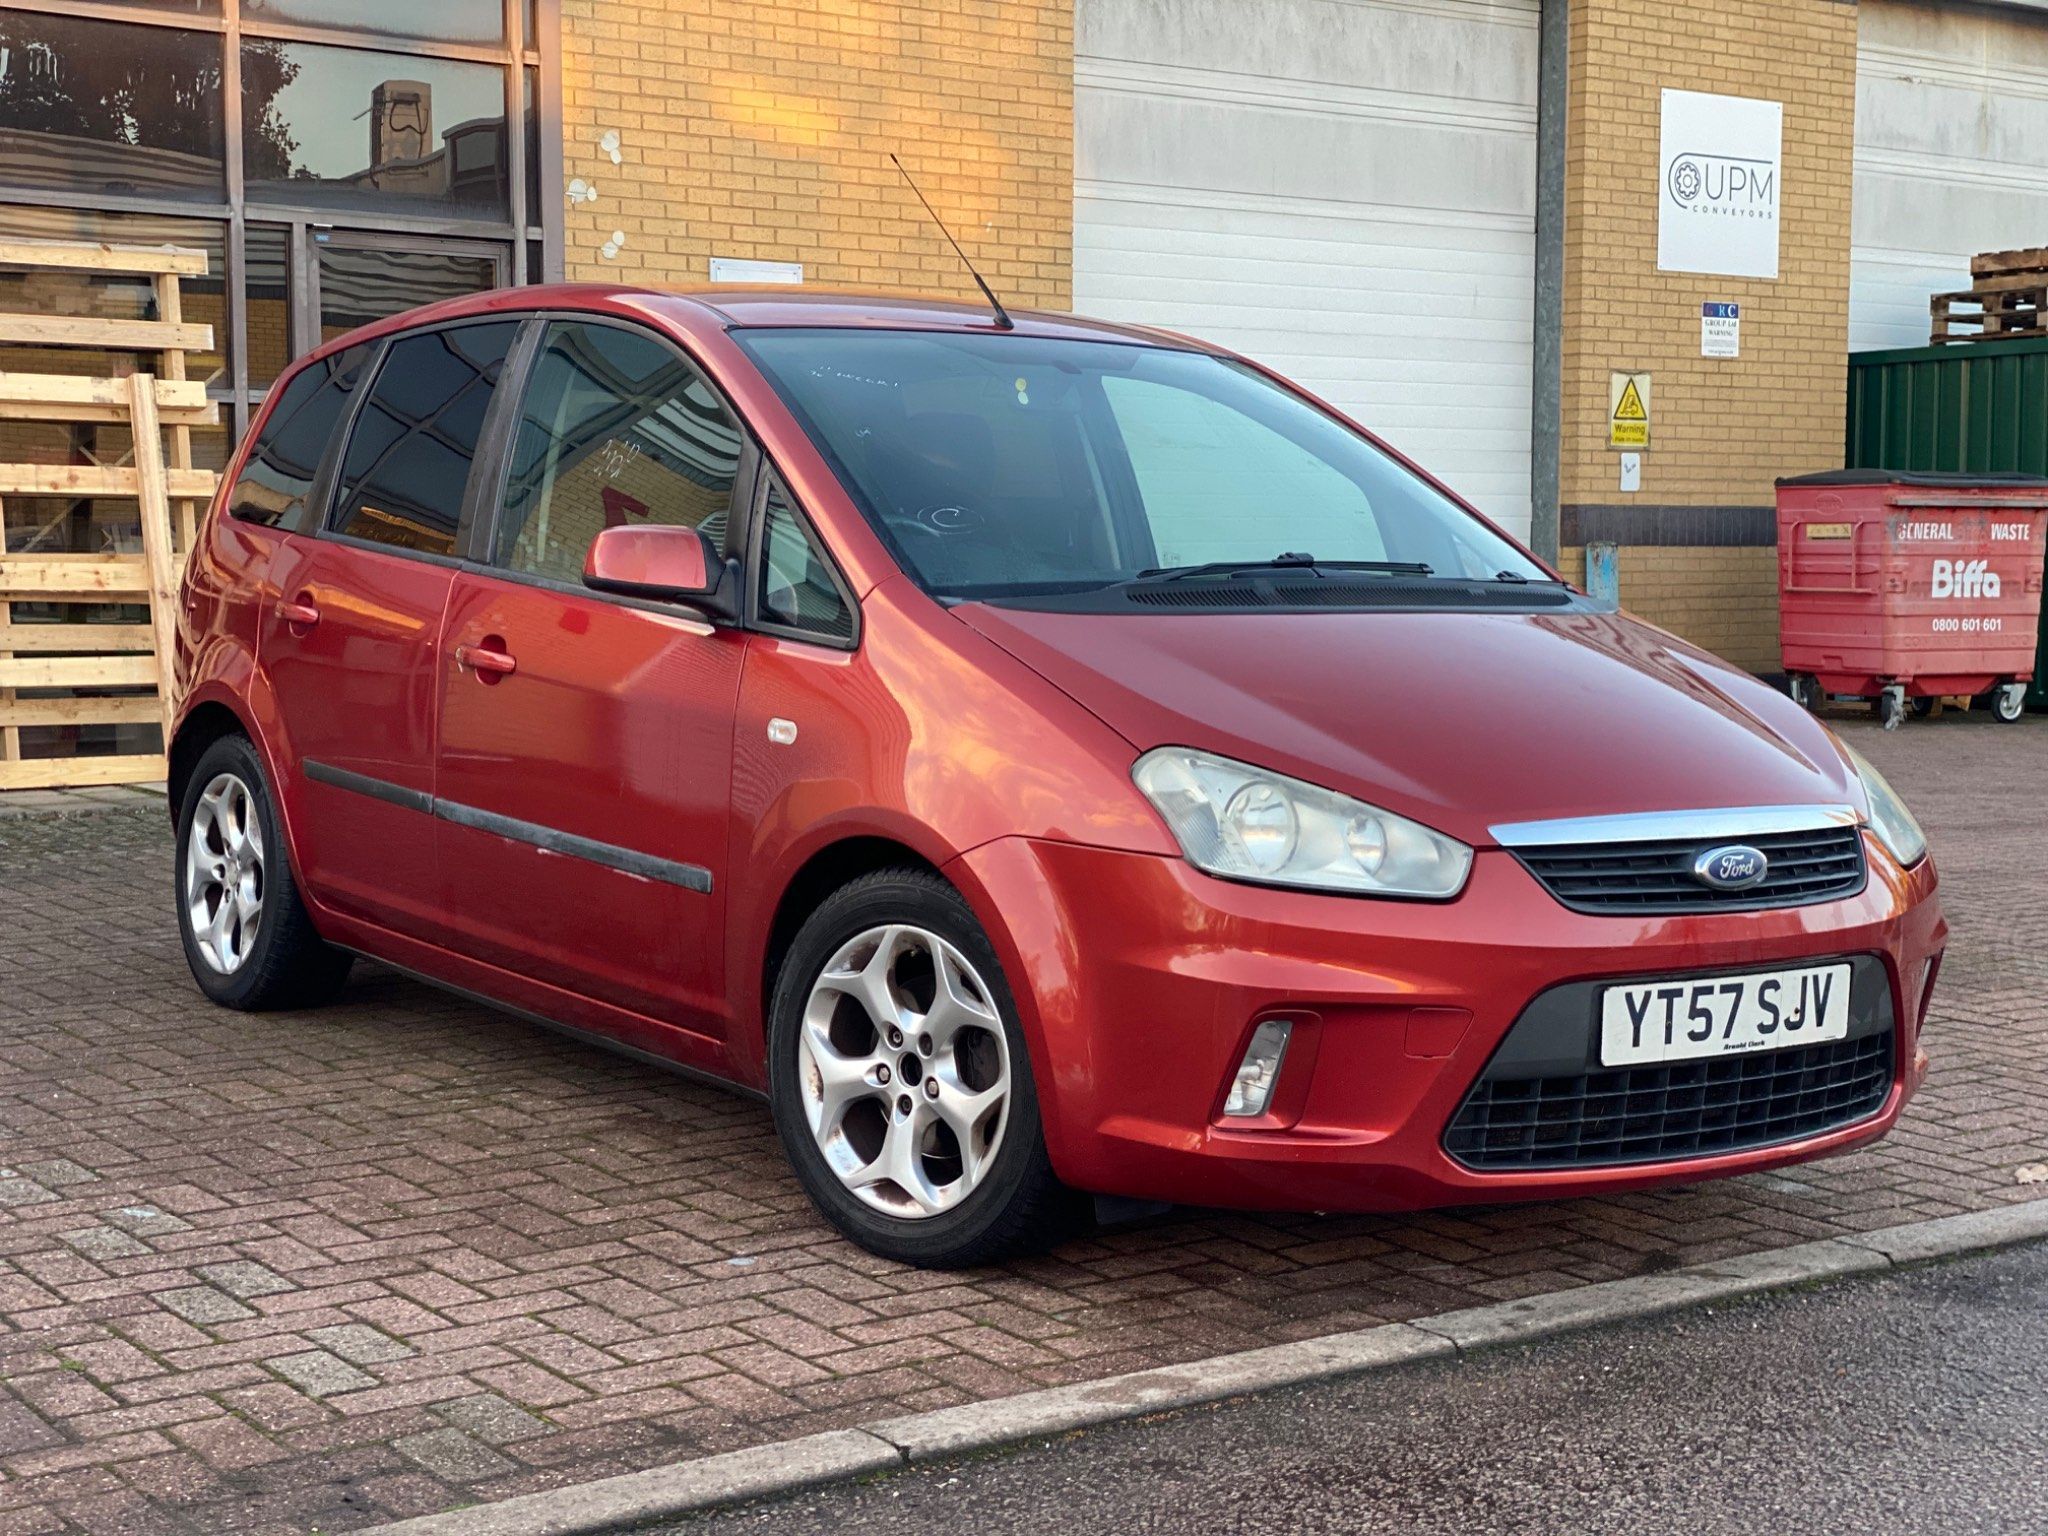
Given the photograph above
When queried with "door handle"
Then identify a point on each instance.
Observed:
(485, 662)
(299, 615)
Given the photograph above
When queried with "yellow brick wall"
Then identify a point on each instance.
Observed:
(761, 129)
(1722, 598)
(1723, 429)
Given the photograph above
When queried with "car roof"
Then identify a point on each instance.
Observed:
(690, 310)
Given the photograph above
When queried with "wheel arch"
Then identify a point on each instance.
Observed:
(204, 724)
(209, 715)
(825, 871)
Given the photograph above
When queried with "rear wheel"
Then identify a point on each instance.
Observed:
(248, 938)
(901, 1085)
(2009, 702)
(1804, 689)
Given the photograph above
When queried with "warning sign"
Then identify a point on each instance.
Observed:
(1628, 423)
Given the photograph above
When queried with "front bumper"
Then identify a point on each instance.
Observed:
(1139, 980)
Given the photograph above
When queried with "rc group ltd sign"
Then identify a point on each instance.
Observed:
(1719, 185)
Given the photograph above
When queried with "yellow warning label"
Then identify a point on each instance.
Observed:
(1830, 531)
(1629, 416)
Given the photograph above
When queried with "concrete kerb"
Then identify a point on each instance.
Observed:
(641, 1498)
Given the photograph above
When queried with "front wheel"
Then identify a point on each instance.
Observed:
(248, 938)
(2009, 703)
(900, 1081)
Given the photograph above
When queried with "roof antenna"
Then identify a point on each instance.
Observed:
(1003, 320)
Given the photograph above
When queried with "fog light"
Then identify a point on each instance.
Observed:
(1928, 972)
(1252, 1088)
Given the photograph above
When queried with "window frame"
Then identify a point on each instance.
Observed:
(755, 566)
(473, 484)
(532, 235)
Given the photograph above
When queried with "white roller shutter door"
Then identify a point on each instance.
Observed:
(1344, 189)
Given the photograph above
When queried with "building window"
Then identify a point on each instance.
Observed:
(427, 21)
(360, 158)
(345, 128)
(104, 107)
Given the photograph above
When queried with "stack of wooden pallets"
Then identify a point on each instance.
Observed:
(54, 670)
(2008, 297)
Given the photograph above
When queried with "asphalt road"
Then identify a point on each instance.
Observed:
(1914, 1402)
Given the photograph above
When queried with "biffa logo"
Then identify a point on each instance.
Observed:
(1963, 578)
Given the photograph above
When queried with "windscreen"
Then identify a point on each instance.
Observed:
(1001, 466)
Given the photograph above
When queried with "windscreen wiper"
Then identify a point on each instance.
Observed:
(1288, 562)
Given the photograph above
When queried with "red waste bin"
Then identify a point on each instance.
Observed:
(1898, 586)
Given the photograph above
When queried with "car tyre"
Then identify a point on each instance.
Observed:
(925, 1145)
(248, 937)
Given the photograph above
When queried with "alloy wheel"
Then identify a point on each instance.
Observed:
(224, 873)
(904, 1070)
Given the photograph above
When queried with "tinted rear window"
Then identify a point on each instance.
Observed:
(409, 457)
(282, 465)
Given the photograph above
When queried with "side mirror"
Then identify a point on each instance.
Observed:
(662, 563)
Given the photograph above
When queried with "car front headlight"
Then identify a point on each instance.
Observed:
(1246, 823)
(1889, 818)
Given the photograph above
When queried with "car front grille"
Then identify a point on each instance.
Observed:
(1656, 877)
(1676, 1110)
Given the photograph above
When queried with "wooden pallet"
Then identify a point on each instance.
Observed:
(1997, 309)
(85, 660)
(2006, 263)
(2007, 297)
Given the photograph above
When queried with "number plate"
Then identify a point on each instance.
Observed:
(1683, 1018)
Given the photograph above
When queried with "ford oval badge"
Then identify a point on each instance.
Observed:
(1735, 867)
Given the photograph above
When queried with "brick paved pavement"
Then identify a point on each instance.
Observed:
(313, 1271)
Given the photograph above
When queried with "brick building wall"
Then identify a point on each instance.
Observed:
(1723, 429)
(1723, 598)
(762, 129)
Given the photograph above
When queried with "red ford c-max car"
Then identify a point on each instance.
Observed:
(1040, 758)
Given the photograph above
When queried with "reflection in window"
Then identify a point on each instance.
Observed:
(346, 127)
(409, 454)
(797, 589)
(442, 21)
(616, 429)
(113, 295)
(1205, 469)
(279, 471)
(102, 107)
(359, 284)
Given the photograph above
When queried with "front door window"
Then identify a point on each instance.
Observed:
(617, 429)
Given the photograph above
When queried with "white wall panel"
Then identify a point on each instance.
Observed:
(1951, 130)
(1344, 189)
